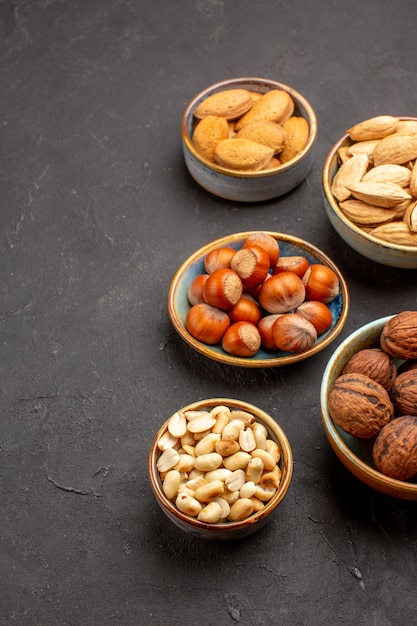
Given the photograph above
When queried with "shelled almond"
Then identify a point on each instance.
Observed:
(376, 181)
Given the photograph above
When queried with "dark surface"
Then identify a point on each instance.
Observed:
(97, 212)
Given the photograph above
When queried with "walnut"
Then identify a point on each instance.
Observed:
(399, 336)
(395, 448)
(376, 364)
(359, 405)
(404, 393)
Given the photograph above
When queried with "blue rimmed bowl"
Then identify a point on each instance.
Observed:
(354, 453)
(225, 531)
(178, 304)
(248, 186)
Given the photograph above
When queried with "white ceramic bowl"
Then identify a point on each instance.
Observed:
(248, 186)
(394, 255)
(178, 304)
(225, 530)
(356, 454)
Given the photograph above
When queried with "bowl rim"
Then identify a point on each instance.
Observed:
(357, 466)
(274, 429)
(326, 182)
(234, 83)
(229, 359)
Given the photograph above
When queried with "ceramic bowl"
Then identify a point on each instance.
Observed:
(354, 453)
(225, 530)
(248, 186)
(394, 255)
(178, 304)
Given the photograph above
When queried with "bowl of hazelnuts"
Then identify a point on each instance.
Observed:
(249, 139)
(369, 404)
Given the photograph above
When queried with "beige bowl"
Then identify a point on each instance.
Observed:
(248, 186)
(394, 255)
(224, 530)
(354, 453)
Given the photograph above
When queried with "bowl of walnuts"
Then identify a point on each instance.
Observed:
(249, 139)
(370, 189)
(369, 404)
(219, 468)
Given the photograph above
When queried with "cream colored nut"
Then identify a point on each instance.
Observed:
(225, 507)
(207, 462)
(207, 444)
(167, 441)
(242, 154)
(254, 470)
(373, 128)
(188, 505)
(188, 439)
(200, 423)
(396, 149)
(232, 430)
(195, 473)
(264, 494)
(235, 480)
(177, 425)
(274, 450)
(348, 174)
(247, 440)
(201, 435)
(185, 463)
(222, 418)
(261, 435)
(266, 457)
(210, 491)
(194, 483)
(243, 416)
(188, 449)
(171, 484)
(231, 496)
(241, 509)
(184, 489)
(226, 448)
(211, 513)
(388, 173)
(297, 131)
(221, 473)
(230, 104)
(168, 459)
(239, 460)
(271, 480)
(275, 105)
(384, 195)
(258, 505)
(248, 489)
(266, 132)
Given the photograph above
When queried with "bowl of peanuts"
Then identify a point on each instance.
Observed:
(219, 468)
(370, 189)
(258, 299)
(249, 139)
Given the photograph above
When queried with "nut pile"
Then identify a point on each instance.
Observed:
(245, 130)
(253, 297)
(376, 183)
(218, 465)
(375, 397)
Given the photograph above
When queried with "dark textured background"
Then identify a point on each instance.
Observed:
(97, 212)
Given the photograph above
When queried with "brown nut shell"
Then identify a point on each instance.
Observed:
(404, 393)
(376, 364)
(399, 336)
(359, 405)
(395, 448)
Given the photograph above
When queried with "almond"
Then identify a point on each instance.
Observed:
(364, 214)
(395, 232)
(406, 127)
(275, 105)
(268, 133)
(384, 195)
(230, 104)
(410, 217)
(363, 147)
(396, 149)
(413, 180)
(242, 154)
(207, 134)
(389, 173)
(297, 131)
(350, 172)
(373, 128)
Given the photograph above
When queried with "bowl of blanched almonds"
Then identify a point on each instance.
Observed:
(219, 468)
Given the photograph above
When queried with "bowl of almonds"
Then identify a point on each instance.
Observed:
(219, 468)
(369, 404)
(249, 139)
(370, 189)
